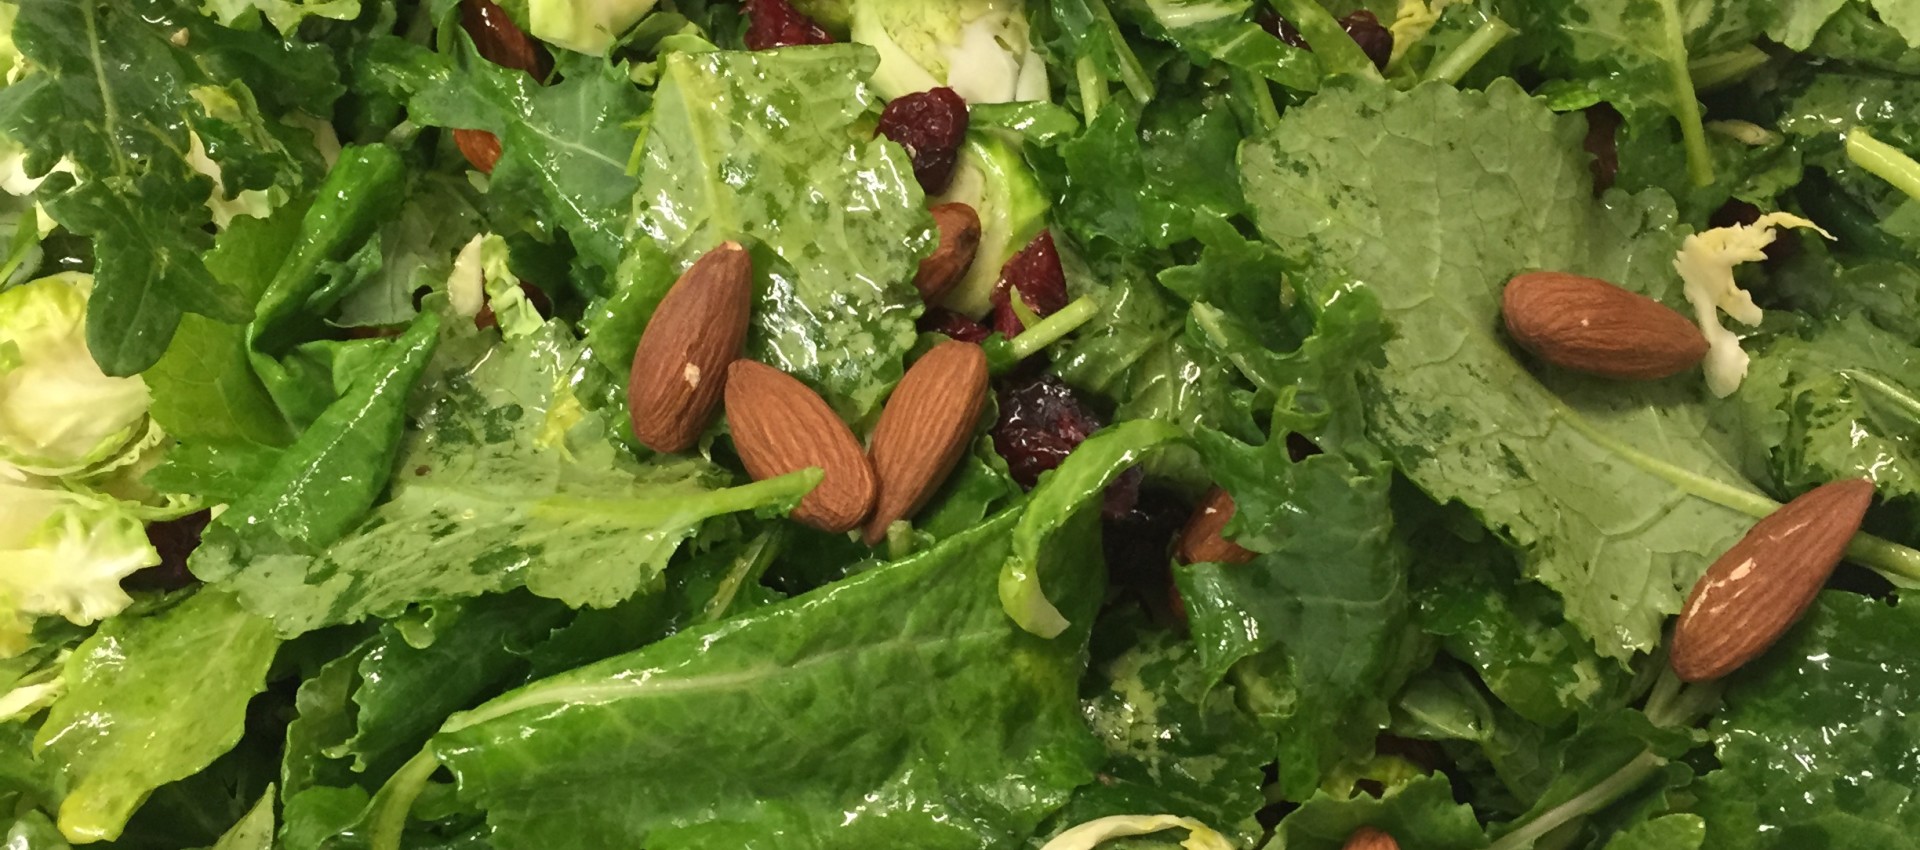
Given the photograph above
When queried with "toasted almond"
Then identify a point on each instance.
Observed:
(1761, 586)
(500, 41)
(1592, 326)
(1200, 541)
(680, 364)
(781, 426)
(481, 148)
(1368, 838)
(924, 430)
(959, 228)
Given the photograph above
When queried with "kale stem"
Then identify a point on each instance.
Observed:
(1260, 97)
(1686, 104)
(395, 800)
(1131, 71)
(1711, 72)
(1093, 87)
(1660, 702)
(1337, 51)
(1467, 54)
(1884, 160)
(1050, 329)
(1612, 788)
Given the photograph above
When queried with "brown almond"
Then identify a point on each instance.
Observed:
(924, 430)
(1592, 326)
(1368, 838)
(1200, 541)
(500, 41)
(781, 426)
(1761, 586)
(481, 148)
(681, 362)
(959, 228)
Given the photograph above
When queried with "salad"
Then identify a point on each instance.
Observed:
(682, 424)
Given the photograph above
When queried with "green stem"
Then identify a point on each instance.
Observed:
(395, 800)
(1260, 97)
(1884, 160)
(1467, 54)
(1612, 788)
(1050, 329)
(1686, 104)
(1337, 51)
(1898, 563)
(1093, 87)
(1132, 73)
(1665, 691)
(1711, 72)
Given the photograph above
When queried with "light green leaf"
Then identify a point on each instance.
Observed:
(1617, 495)
(253, 832)
(149, 701)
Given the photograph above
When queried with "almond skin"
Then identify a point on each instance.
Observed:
(1756, 591)
(1200, 541)
(924, 430)
(500, 41)
(481, 148)
(681, 362)
(781, 426)
(959, 228)
(1592, 326)
(1368, 838)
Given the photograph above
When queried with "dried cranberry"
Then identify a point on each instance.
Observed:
(501, 41)
(1375, 40)
(930, 125)
(943, 321)
(1603, 122)
(1136, 541)
(775, 23)
(1036, 274)
(1041, 421)
(1282, 29)
(1786, 241)
(174, 539)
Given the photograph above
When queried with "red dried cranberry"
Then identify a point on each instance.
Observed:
(1603, 121)
(1041, 421)
(930, 125)
(1036, 274)
(1786, 241)
(501, 41)
(174, 539)
(1375, 40)
(1282, 29)
(943, 321)
(775, 23)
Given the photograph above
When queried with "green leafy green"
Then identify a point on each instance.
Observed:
(752, 728)
(1224, 30)
(767, 147)
(1421, 810)
(1615, 494)
(126, 122)
(253, 832)
(1672, 832)
(1837, 404)
(504, 482)
(1813, 749)
(130, 721)
(1325, 603)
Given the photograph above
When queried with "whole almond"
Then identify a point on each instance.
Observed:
(1592, 326)
(681, 362)
(481, 148)
(1200, 541)
(781, 426)
(500, 41)
(959, 228)
(1368, 838)
(924, 430)
(1761, 586)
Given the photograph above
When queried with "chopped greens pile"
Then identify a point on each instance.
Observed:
(324, 526)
